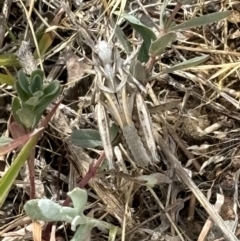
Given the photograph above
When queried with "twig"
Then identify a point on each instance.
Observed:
(212, 51)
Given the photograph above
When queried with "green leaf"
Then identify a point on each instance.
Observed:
(86, 138)
(89, 138)
(33, 101)
(38, 117)
(79, 199)
(24, 96)
(51, 89)
(36, 84)
(48, 211)
(36, 210)
(147, 34)
(121, 36)
(113, 233)
(157, 47)
(162, 14)
(113, 131)
(83, 232)
(123, 40)
(37, 72)
(22, 87)
(23, 82)
(143, 54)
(38, 94)
(186, 64)
(27, 117)
(16, 105)
(10, 33)
(137, 70)
(203, 20)
(51, 92)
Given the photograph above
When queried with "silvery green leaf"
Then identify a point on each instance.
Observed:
(86, 138)
(48, 211)
(186, 64)
(121, 37)
(26, 116)
(16, 106)
(158, 46)
(137, 70)
(79, 199)
(79, 220)
(83, 233)
(146, 33)
(203, 20)
(123, 40)
(162, 14)
(89, 138)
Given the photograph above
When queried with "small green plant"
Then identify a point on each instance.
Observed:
(33, 97)
(49, 211)
(153, 46)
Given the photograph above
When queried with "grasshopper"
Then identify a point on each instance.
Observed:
(120, 97)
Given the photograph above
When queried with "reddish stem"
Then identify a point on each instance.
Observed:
(90, 174)
(172, 16)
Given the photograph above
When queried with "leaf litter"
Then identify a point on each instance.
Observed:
(194, 110)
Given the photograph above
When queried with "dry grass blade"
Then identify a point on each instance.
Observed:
(208, 224)
(192, 186)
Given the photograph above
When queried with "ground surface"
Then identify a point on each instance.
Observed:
(197, 116)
